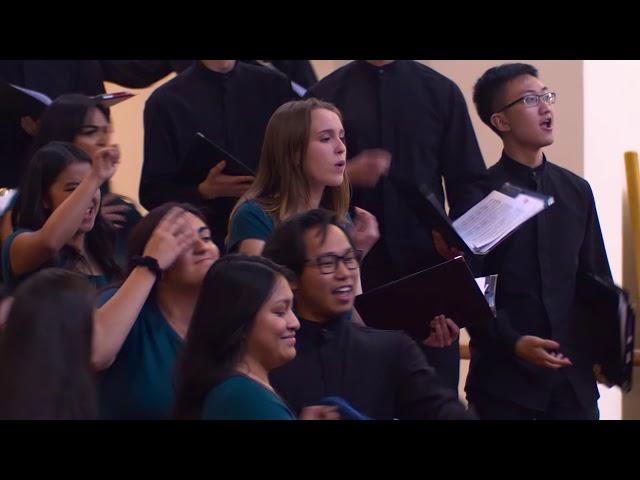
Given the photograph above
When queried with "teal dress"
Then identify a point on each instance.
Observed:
(140, 382)
(240, 398)
(10, 279)
(251, 221)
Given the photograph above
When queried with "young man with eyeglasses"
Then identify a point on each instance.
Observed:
(383, 374)
(535, 363)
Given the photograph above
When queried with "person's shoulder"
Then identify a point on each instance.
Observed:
(260, 71)
(332, 80)
(105, 294)
(12, 236)
(172, 87)
(240, 398)
(262, 77)
(380, 339)
(250, 209)
(496, 169)
(569, 177)
(18, 231)
(238, 382)
(429, 74)
(250, 206)
(238, 390)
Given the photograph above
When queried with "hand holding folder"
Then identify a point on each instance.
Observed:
(484, 225)
(605, 311)
(216, 171)
(444, 332)
(204, 154)
(410, 303)
(218, 184)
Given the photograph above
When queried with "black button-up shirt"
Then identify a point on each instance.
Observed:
(537, 268)
(232, 109)
(383, 374)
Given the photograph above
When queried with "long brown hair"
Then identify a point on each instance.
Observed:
(281, 185)
(45, 349)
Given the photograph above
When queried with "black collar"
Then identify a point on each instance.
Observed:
(520, 170)
(310, 330)
(218, 77)
(375, 70)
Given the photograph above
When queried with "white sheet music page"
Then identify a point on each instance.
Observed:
(494, 218)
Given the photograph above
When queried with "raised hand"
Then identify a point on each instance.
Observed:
(365, 230)
(171, 237)
(366, 168)
(105, 162)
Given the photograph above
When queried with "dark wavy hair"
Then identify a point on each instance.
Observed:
(233, 291)
(45, 349)
(44, 168)
(64, 118)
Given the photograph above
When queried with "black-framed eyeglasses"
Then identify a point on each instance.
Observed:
(328, 263)
(533, 100)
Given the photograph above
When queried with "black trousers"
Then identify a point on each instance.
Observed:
(563, 405)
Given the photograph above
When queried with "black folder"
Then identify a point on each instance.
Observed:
(204, 154)
(19, 102)
(410, 303)
(111, 99)
(606, 312)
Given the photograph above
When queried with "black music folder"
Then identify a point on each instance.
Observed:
(410, 303)
(111, 99)
(204, 154)
(605, 310)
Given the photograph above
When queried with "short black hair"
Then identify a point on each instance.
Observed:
(285, 245)
(488, 89)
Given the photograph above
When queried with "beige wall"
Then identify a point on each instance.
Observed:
(129, 134)
(611, 126)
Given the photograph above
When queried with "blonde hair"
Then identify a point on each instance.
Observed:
(281, 186)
